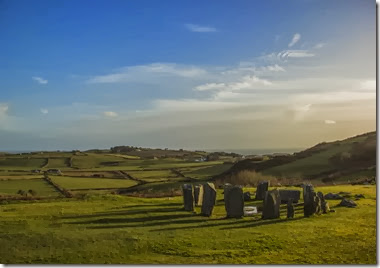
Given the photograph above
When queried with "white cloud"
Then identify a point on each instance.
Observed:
(304, 108)
(300, 112)
(246, 82)
(139, 72)
(274, 68)
(110, 114)
(40, 80)
(3, 109)
(295, 39)
(193, 105)
(294, 54)
(44, 111)
(368, 85)
(200, 29)
(319, 45)
(330, 122)
(210, 86)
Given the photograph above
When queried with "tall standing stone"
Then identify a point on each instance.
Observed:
(209, 198)
(198, 195)
(261, 189)
(226, 188)
(234, 202)
(310, 200)
(271, 207)
(188, 200)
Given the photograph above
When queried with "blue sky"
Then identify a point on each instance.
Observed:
(192, 74)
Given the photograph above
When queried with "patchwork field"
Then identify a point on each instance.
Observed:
(40, 186)
(71, 183)
(154, 176)
(96, 172)
(119, 229)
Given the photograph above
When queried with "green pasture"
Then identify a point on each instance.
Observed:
(61, 162)
(25, 163)
(20, 177)
(91, 183)
(81, 173)
(114, 229)
(205, 172)
(154, 176)
(40, 186)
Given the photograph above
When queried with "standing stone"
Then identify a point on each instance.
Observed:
(290, 209)
(306, 188)
(285, 195)
(247, 196)
(209, 198)
(198, 195)
(310, 202)
(325, 208)
(234, 202)
(271, 207)
(261, 189)
(226, 188)
(188, 200)
(317, 205)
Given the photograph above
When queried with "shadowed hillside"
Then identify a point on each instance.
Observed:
(350, 159)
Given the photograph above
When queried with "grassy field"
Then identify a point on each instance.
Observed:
(205, 172)
(98, 225)
(58, 162)
(154, 176)
(91, 183)
(20, 177)
(15, 162)
(40, 186)
(119, 229)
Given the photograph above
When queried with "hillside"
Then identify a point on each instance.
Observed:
(349, 159)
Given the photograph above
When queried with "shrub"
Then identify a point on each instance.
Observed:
(252, 178)
(21, 192)
(32, 192)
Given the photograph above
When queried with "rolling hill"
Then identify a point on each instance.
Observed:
(344, 160)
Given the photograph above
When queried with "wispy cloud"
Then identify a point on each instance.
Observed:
(368, 85)
(210, 86)
(44, 111)
(319, 45)
(40, 80)
(246, 82)
(130, 73)
(274, 68)
(329, 122)
(295, 39)
(200, 29)
(3, 109)
(295, 54)
(110, 114)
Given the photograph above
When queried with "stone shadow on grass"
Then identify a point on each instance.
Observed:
(186, 221)
(261, 222)
(124, 212)
(231, 225)
(134, 220)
